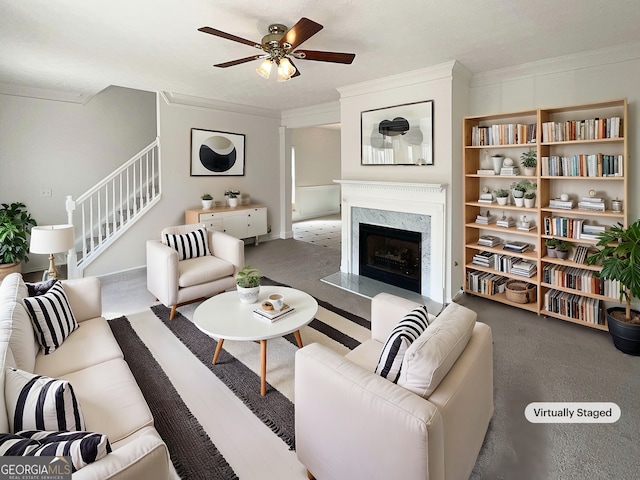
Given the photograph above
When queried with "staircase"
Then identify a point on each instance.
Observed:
(106, 211)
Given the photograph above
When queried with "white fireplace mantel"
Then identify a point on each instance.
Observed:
(416, 198)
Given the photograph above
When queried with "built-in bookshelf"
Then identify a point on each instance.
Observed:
(580, 189)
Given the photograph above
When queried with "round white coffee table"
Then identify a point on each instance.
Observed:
(223, 317)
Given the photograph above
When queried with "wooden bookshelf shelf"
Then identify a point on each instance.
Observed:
(542, 127)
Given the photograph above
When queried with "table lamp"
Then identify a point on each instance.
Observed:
(51, 239)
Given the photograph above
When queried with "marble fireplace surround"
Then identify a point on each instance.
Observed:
(398, 205)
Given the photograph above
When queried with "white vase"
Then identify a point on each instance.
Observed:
(233, 202)
(529, 202)
(206, 204)
(519, 201)
(502, 200)
(248, 294)
(530, 171)
(497, 164)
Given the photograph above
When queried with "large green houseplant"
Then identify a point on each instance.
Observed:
(619, 257)
(15, 226)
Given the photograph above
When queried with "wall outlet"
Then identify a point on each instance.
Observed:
(45, 192)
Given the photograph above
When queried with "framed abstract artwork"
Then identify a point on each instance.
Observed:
(398, 135)
(216, 153)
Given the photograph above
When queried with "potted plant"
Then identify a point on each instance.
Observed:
(207, 201)
(562, 249)
(15, 225)
(551, 246)
(529, 161)
(232, 197)
(530, 199)
(248, 284)
(620, 260)
(519, 189)
(501, 196)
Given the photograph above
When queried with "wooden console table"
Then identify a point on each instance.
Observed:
(243, 221)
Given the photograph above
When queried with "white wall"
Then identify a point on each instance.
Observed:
(67, 147)
(317, 155)
(180, 191)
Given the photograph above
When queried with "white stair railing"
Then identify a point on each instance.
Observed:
(104, 212)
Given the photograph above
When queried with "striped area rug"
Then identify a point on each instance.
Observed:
(238, 366)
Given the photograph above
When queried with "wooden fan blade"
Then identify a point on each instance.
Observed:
(319, 56)
(297, 74)
(237, 62)
(228, 36)
(300, 32)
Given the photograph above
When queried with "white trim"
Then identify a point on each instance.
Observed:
(46, 94)
(323, 114)
(179, 99)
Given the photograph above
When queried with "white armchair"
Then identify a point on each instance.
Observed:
(176, 282)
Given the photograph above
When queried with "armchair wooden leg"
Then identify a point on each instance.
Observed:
(173, 312)
(310, 475)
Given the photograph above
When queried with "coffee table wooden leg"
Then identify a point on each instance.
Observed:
(263, 367)
(218, 350)
(298, 338)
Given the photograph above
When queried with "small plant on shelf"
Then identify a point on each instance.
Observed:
(206, 196)
(529, 159)
(501, 193)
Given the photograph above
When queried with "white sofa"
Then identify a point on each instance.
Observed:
(352, 423)
(91, 360)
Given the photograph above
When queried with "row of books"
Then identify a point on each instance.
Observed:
(580, 279)
(574, 306)
(593, 165)
(589, 129)
(580, 254)
(571, 228)
(503, 134)
(505, 263)
(485, 282)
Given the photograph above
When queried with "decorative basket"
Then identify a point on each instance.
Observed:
(520, 292)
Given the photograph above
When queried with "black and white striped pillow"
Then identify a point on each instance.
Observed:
(51, 317)
(189, 245)
(36, 402)
(399, 340)
(83, 447)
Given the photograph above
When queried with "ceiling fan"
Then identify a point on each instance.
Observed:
(280, 46)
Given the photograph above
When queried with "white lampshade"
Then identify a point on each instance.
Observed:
(265, 68)
(51, 239)
(285, 70)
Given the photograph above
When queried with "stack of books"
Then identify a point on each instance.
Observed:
(515, 246)
(510, 171)
(485, 172)
(485, 219)
(484, 259)
(273, 315)
(593, 204)
(489, 240)
(591, 232)
(564, 204)
(486, 198)
(523, 268)
(526, 229)
(507, 222)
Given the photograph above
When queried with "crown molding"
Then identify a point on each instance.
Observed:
(593, 58)
(173, 98)
(314, 115)
(422, 75)
(45, 94)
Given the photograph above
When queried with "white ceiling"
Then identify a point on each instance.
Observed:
(83, 46)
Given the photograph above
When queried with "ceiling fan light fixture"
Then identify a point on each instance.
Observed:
(265, 68)
(285, 70)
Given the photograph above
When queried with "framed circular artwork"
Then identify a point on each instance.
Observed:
(216, 153)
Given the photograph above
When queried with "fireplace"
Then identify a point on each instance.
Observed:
(391, 255)
(414, 207)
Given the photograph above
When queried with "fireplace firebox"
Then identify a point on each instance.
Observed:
(391, 255)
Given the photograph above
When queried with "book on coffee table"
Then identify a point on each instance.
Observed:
(273, 315)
